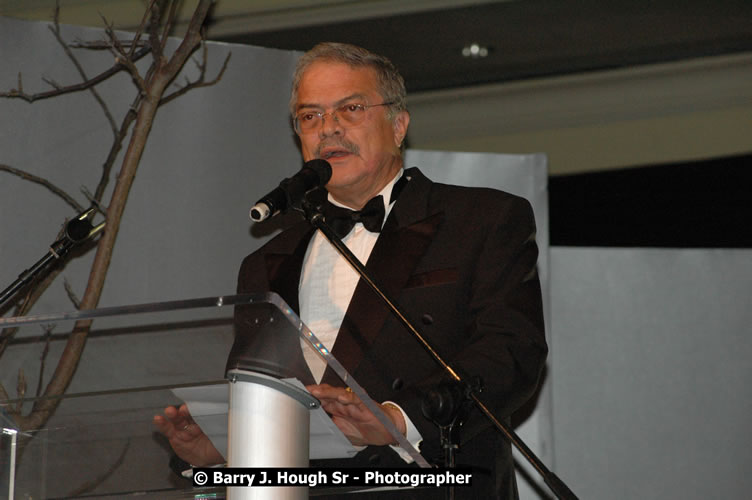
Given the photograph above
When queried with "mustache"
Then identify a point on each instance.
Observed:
(340, 143)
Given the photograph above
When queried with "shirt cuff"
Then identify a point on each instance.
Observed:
(412, 435)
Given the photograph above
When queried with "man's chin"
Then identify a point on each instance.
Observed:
(342, 168)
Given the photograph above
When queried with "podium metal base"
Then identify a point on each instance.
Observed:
(268, 426)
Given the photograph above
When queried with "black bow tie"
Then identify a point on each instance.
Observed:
(342, 220)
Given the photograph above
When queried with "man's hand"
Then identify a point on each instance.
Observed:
(186, 438)
(353, 418)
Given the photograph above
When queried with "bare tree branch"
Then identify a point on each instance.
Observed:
(43, 357)
(71, 293)
(115, 43)
(104, 45)
(140, 31)
(118, 67)
(199, 82)
(20, 389)
(171, 18)
(122, 56)
(55, 29)
(43, 182)
(157, 45)
(90, 198)
(52, 83)
(3, 394)
(90, 485)
(93, 202)
(117, 145)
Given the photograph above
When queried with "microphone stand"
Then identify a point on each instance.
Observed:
(77, 230)
(558, 487)
(448, 406)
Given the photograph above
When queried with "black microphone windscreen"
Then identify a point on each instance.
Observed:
(78, 230)
(322, 168)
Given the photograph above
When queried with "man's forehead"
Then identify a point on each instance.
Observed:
(336, 82)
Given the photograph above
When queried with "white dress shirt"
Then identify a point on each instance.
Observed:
(327, 284)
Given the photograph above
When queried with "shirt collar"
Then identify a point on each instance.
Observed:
(386, 194)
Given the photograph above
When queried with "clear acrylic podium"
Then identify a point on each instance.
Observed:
(101, 443)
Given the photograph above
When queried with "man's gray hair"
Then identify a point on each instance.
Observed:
(391, 84)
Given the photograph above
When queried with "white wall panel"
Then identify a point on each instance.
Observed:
(651, 372)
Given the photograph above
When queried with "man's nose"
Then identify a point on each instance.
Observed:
(330, 125)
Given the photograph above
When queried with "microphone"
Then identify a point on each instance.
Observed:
(79, 229)
(315, 173)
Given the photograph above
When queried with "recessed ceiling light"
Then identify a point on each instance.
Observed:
(474, 51)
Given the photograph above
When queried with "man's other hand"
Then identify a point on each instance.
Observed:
(352, 417)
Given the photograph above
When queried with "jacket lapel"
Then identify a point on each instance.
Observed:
(405, 238)
(283, 268)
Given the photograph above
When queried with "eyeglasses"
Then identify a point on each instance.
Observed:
(349, 115)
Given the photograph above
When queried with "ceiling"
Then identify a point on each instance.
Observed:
(425, 38)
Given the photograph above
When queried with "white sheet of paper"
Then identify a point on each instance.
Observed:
(209, 406)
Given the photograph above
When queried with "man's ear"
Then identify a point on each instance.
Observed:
(401, 121)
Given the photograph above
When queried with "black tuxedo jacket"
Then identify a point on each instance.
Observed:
(461, 262)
